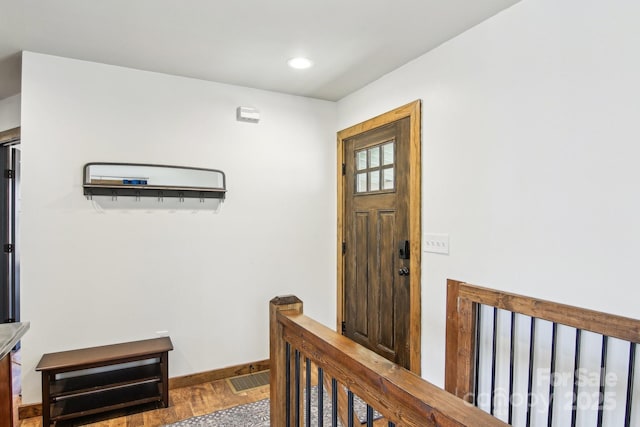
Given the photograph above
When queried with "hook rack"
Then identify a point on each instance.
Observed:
(153, 181)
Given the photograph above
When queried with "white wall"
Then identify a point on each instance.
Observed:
(93, 279)
(530, 156)
(9, 112)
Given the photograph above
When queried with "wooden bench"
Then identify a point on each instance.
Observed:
(128, 374)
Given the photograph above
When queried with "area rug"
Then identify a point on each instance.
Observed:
(256, 414)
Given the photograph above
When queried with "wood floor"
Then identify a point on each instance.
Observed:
(183, 403)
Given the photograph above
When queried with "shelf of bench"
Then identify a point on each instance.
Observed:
(113, 379)
(105, 400)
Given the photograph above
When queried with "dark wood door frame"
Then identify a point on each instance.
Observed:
(9, 264)
(411, 110)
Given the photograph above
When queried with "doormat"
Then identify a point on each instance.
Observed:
(250, 381)
(257, 414)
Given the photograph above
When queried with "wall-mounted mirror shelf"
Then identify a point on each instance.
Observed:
(141, 181)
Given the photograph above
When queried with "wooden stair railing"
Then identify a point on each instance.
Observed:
(403, 398)
(559, 376)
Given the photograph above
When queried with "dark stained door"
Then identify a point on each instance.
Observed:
(376, 280)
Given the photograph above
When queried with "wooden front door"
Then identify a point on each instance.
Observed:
(378, 245)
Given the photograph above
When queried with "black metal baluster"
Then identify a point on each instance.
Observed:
(287, 373)
(603, 375)
(476, 374)
(630, 380)
(369, 416)
(576, 378)
(552, 370)
(494, 346)
(334, 402)
(307, 400)
(530, 380)
(512, 352)
(297, 387)
(320, 397)
(349, 408)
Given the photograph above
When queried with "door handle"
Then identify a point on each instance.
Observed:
(403, 250)
(404, 271)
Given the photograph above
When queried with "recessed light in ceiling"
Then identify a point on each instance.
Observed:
(299, 63)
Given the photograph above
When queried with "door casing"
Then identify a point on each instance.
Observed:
(413, 111)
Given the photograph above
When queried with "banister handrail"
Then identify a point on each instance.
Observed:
(399, 395)
(620, 327)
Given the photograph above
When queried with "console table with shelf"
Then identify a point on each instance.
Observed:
(127, 374)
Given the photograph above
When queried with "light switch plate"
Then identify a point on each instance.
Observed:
(435, 243)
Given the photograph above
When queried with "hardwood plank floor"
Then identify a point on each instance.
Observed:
(184, 403)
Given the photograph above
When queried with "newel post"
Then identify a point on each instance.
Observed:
(278, 357)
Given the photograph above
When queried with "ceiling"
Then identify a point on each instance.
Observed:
(241, 42)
